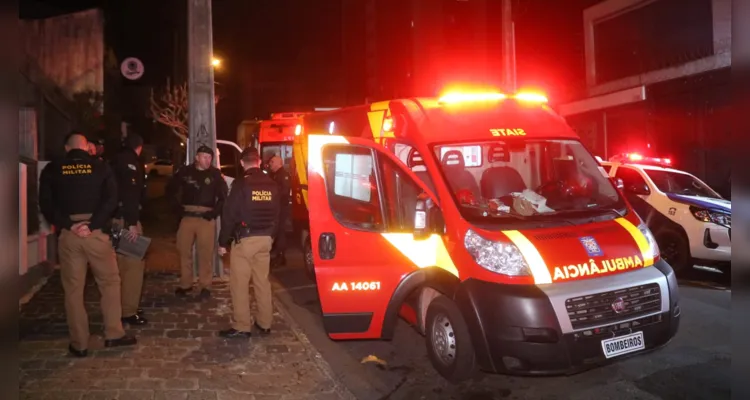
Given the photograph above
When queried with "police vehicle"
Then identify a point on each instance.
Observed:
(691, 221)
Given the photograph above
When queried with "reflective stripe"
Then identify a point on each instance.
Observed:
(430, 252)
(538, 267)
(640, 240)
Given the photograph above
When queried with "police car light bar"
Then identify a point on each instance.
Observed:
(640, 159)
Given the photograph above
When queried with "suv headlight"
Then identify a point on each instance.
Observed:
(502, 258)
(701, 214)
(653, 247)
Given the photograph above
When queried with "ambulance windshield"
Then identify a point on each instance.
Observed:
(526, 179)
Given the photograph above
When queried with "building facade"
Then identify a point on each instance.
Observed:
(657, 77)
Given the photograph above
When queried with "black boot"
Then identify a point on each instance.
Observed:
(205, 294)
(126, 340)
(180, 292)
(234, 334)
(77, 353)
(263, 331)
(135, 320)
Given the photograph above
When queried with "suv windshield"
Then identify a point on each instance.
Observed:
(526, 179)
(679, 183)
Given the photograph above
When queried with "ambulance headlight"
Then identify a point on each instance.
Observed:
(499, 257)
(652, 246)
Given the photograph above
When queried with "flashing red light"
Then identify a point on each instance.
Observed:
(667, 161)
(635, 157)
(388, 125)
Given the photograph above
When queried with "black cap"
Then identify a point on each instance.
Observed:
(205, 149)
(133, 141)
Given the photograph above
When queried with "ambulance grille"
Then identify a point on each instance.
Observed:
(598, 309)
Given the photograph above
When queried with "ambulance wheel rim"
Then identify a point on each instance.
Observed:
(444, 339)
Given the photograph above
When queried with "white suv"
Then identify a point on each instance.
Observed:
(691, 222)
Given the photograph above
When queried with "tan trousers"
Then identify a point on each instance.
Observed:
(131, 277)
(203, 233)
(75, 253)
(250, 260)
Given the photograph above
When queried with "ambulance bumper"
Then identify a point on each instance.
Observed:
(525, 330)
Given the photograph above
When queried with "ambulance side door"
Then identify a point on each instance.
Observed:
(359, 231)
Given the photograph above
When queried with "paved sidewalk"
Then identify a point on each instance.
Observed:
(178, 355)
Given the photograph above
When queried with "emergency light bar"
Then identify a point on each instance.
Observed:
(463, 97)
(288, 115)
(640, 159)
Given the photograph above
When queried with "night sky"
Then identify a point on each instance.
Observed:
(264, 40)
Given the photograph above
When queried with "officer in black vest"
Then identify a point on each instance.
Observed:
(280, 175)
(78, 195)
(250, 220)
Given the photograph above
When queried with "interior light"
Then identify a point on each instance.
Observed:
(460, 97)
(388, 125)
(531, 97)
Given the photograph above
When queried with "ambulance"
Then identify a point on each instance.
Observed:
(482, 220)
(275, 136)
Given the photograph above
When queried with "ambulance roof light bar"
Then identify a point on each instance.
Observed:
(454, 97)
(287, 115)
(637, 158)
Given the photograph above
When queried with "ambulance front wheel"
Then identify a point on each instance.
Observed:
(307, 254)
(449, 344)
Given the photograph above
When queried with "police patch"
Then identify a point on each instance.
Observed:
(591, 246)
(208, 181)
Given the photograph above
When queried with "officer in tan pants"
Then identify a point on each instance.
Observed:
(129, 172)
(250, 219)
(78, 196)
(198, 192)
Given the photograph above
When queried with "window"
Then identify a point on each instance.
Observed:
(352, 187)
(630, 177)
(607, 168)
(472, 154)
(411, 158)
(400, 193)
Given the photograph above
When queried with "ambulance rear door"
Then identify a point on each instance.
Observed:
(362, 206)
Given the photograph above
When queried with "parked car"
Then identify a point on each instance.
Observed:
(160, 168)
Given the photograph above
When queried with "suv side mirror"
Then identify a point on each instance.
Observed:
(639, 189)
(427, 218)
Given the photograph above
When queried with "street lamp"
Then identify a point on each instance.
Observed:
(216, 62)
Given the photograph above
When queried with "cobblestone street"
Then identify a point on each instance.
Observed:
(178, 355)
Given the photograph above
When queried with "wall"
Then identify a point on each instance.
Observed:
(68, 49)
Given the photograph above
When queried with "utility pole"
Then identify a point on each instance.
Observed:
(509, 48)
(201, 101)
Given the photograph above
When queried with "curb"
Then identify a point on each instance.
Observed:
(314, 354)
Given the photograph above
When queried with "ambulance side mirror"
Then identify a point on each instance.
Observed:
(427, 218)
(618, 183)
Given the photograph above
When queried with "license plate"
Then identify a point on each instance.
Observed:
(623, 345)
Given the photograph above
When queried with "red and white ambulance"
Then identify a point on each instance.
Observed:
(481, 219)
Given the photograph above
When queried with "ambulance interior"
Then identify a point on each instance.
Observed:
(519, 177)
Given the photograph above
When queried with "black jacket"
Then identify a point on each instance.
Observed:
(77, 184)
(193, 187)
(253, 204)
(281, 177)
(130, 174)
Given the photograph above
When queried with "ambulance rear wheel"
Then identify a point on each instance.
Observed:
(449, 344)
(307, 255)
(674, 249)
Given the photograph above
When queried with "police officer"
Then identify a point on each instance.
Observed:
(281, 177)
(78, 195)
(198, 192)
(129, 172)
(250, 217)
